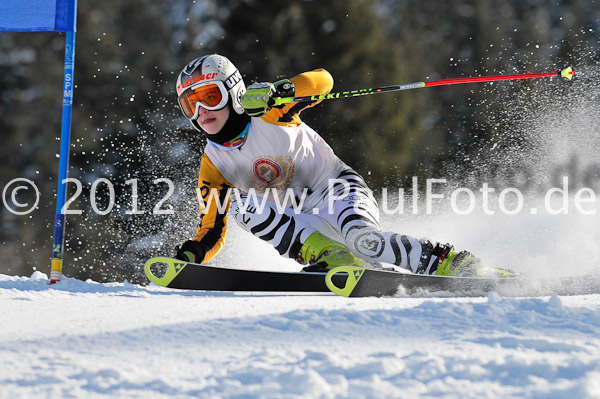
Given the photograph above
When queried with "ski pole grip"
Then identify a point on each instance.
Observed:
(280, 101)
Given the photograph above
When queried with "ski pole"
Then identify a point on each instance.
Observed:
(566, 73)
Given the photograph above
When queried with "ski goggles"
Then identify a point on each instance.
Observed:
(208, 95)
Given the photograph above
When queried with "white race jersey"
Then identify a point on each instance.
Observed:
(280, 163)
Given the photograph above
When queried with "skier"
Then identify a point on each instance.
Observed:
(274, 158)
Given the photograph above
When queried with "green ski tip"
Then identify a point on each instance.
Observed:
(354, 275)
(174, 267)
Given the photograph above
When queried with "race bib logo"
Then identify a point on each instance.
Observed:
(274, 172)
(266, 170)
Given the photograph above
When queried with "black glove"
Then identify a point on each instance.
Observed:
(191, 251)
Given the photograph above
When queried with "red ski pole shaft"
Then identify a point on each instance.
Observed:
(566, 73)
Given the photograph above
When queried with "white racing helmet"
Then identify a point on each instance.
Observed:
(209, 82)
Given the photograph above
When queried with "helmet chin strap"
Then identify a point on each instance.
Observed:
(233, 127)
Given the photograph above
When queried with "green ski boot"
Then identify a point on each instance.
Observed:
(464, 264)
(322, 254)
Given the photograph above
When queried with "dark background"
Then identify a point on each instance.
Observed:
(126, 123)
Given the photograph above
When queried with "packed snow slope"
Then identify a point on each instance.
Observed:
(89, 340)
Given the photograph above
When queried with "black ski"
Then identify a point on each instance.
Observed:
(352, 281)
(362, 282)
(191, 276)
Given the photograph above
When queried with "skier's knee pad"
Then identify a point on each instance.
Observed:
(366, 243)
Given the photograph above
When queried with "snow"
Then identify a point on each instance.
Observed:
(88, 340)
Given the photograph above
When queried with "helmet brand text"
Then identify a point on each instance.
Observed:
(196, 79)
